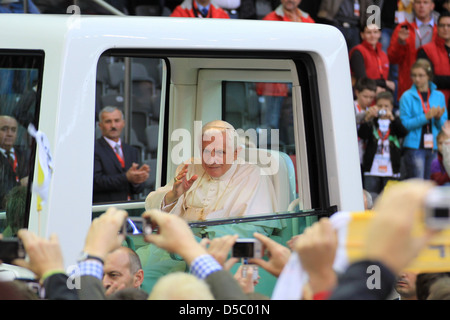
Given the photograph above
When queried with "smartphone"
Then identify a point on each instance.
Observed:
(10, 249)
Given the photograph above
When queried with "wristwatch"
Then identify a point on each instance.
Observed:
(85, 256)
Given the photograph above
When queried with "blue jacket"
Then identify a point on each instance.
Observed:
(413, 117)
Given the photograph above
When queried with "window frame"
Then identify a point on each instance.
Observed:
(309, 99)
(39, 58)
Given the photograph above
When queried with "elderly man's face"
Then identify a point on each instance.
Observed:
(8, 132)
(217, 157)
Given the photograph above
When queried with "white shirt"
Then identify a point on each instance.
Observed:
(116, 146)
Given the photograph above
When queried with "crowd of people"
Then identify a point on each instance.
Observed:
(109, 271)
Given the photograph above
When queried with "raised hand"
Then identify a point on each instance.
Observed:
(181, 185)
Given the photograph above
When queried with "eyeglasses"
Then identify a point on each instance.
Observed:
(444, 25)
(418, 75)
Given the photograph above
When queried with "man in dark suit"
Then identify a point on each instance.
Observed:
(13, 159)
(117, 175)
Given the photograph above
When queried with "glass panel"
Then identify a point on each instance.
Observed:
(19, 103)
(157, 262)
(263, 115)
(133, 86)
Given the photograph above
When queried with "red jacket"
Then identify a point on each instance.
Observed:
(278, 89)
(188, 9)
(404, 55)
(438, 56)
(279, 15)
(375, 60)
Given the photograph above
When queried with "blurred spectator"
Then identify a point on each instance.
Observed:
(368, 200)
(288, 10)
(180, 286)
(311, 6)
(438, 172)
(406, 285)
(369, 60)
(381, 161)
(390, 244)
(440, 289)
(388, 21)
(13, 158)
(129, 294)
(274, 94)
(437, 52)
(422, 112)
(247, 10)
(16, 290)
(365, 91)
(229, 6)
(389, 10)
(425, 281)
(199, 9)
(17, 6)
(442, 5)
(122, 269)
(347, 15)
(408, 37)
(446, 147)
(16, 201)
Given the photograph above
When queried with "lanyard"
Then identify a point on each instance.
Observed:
(426, 107)
(119, 157)
(383, 138)
(13, 162)
(416, 28)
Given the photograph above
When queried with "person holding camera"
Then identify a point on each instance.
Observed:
(406, 39)
(46, 261)
(382, 157)
(423, 113)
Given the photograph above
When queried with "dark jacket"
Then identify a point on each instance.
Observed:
(8, 178)
(365, 280)
(368, 132)
(110, 181)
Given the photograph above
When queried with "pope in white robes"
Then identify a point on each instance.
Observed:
(220, 186)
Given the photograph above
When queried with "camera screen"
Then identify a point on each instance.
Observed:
(441, 212)
(243, 250)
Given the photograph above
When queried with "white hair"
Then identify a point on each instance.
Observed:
(180, 286)
(216, 129)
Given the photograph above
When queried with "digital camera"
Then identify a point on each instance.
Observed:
(437, 208)
(382, 113)
(11, 249)
(247, 248)
(137, 225)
